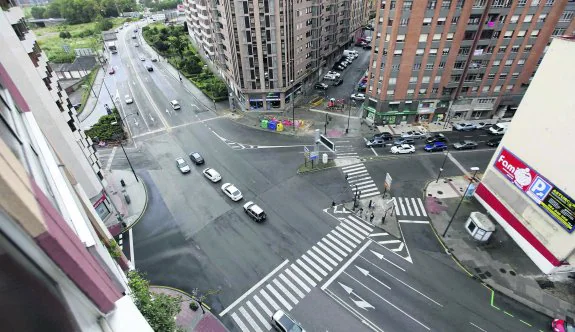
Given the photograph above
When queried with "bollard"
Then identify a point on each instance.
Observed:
(122, 183)
(370, 202)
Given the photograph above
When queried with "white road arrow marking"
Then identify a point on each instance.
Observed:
(343, 210)
(400, 248)
(366, 273)
(380, 256)
(361, 303)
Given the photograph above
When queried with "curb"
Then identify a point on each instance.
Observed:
(143, 210)
(184, 293)
(315, 171)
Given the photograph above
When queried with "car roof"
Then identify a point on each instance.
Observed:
(174, 101)
(254, 207)
(180, 160)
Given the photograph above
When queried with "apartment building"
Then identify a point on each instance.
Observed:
(269, 50)
(24, 62)
(458, 59)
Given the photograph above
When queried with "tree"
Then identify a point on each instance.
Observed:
(178, 45)
(38, 12)
(108, 128)
(158, 309)
(53, 10)
(161, 46)
(105, 24)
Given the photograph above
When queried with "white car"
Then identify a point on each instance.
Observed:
(329, 77)
(413, 134)
(142, 58)
(403, 148)
(128, 99)
(358, 96)
(464, 126)
(212, 174)
(182, 165)
(481, 125)
(333, 73)
(284, 323)
(232, 192)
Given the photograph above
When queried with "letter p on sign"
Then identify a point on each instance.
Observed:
(539, 189)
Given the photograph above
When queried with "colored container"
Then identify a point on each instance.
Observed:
(264, 123)
(280, 126)
(272, 125)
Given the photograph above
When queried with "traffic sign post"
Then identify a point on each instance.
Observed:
(387, 184)
(313, 156)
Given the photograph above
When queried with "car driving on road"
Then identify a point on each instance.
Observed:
(413, 134)
(375, 142)
(386, 136)
(212, 175)
(401, 141)
(402, 149)
(321, 86)
(175, 104)
(197, 158)
(436, 138)
(435, 146)
(284, 323)
(358, 96)
(141, 57)
(254, 211)
(232, 192)
(128, 99)
(464, 126)
(494, 142)
(465, 145)
(182, 165)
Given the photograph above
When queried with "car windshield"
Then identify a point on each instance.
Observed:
(235, 192)
(181, 162)
(289, 324)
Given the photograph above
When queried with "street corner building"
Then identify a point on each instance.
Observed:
(529, 186)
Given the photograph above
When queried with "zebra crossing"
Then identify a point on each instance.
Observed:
(359, 179)
(291, 283)
(411, 207)
(344, 149)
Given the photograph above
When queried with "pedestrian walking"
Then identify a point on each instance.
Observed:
(333, 203)
(370, 201)
(346, 176)
(371, 217)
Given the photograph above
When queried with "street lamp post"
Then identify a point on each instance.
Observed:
(293, 107)
(442, 164)
(122, 145)
(475, 170)
(325, 125)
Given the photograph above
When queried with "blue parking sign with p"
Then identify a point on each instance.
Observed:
(539, 189)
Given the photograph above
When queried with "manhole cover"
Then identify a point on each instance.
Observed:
(502, 270)
(488, 274)
(440, 192)
(512, 273)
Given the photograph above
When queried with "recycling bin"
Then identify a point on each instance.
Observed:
(264, 123)
(272, 125)
(280, 126)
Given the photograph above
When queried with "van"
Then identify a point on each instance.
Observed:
(351, 53)
(175, 104)
(499, 128)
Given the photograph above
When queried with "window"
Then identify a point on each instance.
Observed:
(410, 91)
(392, 80)
(445, 51)
(479, 3)
(400, 38)
(419, 51)
(437, 36)
(521, 33)
(464, 50)
(460, 4)
(390, 92)
(425, 79)
(459, 64)
(434, 90)
(407, 5)
(508, 63)
(441, 21)
(527, 18)
(489, 49)
(521, 3)
(416, 66)
(474, 88)
(502, 18)
(455, 78)
(502, 49)
(534, 33)
(423, 37)
(403, 22)
(534, 3)
(515, 49)
(445, 4)
(491, 76)
(422, 91)
(450, 36)
(413, 79)
(509, 88)
(397, 52)
(427, 21)
(429, 66)
(521, 62)
(395, 67)
(496, 62)
(558, 32)
(567, 16)
(485, 88)
(441, 65)
(433, 51)
(431, 4)
(549, 2)
(527, 48)
(515, 75)
(514, 19)
(497, 88)
(437, 79)
(502, 76)
(454, 19)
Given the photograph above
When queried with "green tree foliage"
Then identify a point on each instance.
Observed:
(161, 5)
(84, 11)
(158, 309)
(104, 130)
(38, 12)
(65, 34)
(104, 24)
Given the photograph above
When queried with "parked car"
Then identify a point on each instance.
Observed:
(402, 149)
(494, 142)
(465, 145)
(436, 138)
(375, 142)
(413, 134)
(254, 211)
(197, 158)
(560, 325)
(406, 140)
(367, 46)
(128, 99)
(182, 165)
(334, 73)
(321, 86)
(358, 96)
(284, 323)
(338, 82)
(232, 192)
(329, 77)
(386, 136)
(464, 126)
(175, 104)
(435, 146)
(481, 125)
(212, 175)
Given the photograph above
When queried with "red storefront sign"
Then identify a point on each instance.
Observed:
(515, 169)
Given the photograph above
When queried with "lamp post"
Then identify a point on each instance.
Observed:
(325, 125)
(442, 164)
(474, 169)
(122, 146)
(292, 107)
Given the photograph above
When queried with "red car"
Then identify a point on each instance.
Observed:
(111, 71)
(559, 325)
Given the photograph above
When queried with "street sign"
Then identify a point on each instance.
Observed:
(327, 143)
(313, 155)
(305, 149)
(388, 180)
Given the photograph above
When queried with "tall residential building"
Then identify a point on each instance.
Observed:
(459, 59)
(23, 61)
(268, 50)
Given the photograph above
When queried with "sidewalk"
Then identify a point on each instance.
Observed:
(188, 319)
(138, 198)
(500, 263)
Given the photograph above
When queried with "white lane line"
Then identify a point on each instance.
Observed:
(396, 207)
(241, 324)
(331, 237)
(336, 248)
(359, 236)
(414, 221)
(458, 164)
(375, 193)
(279, 297)
(480, 329)
(379, 234)
(324, 255)
(344, 266)
(356, 227)
(372, 150)
(241, 298)
(285, 291)
(329, 251)
(408, 206)
(422, 208)
(372, 277)
(270, 300)
(361, 223)
(111, 159)
(401, 204)
(346, 153)
(259, 316)
(319, 260)
(351, 166)
(388, 241)
(292, 286)
(344, 239)
(298, 281)
(250, 320)
(414, 203)
(309, 269)
(303, 275)
(263, 305)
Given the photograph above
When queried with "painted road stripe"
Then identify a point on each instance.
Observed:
(351, 166)
(339, 243)
(292, 286)
(356, 227)
(414, 221)
(361, 223)
(346, 153)
(263, 305)
(401, 204)
(408, 206)
(325, 256)
(336, 248)
(379, 234)
(285, 291)
(344, 239)
(298, 281)
(362, 183)
(358, 172)
(368, 190)
(375, 193)
(250, 320)
(259, 316)
(354, 169)
(279, 297)
(319, 260)
(422, 208)
(388, 241)
(349, 261)
(270, 300)
(415, 206)
(303, 275)
(356, 178)
(241, 324)
(329, 251)
(359, 236)
(309, 270)
(396, 207)
(365, 186)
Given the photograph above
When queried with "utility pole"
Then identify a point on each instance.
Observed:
(475, 170)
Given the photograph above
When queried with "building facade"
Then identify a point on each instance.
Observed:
(269, 50)
(529, 186)
(434, 60)
(24, 62)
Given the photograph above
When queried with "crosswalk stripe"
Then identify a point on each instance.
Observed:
(358, 172)
(346, 153)
(285, 291)
(362, 183)
(388, 241)
(365, 186)
(329, 251)
(319, 260)
(263, 305)
(421, 205)
(325, 256)
(375, 193)
(279, 297)
(328, 242)
(303, 275)
(309, 270)
(250, 320)
(401, 204)
(292, 286)
(239, 323)
(335, 240)
(408, 206)
(357, 228)
(269, 299)
(344, 239)
(351, 231)
(353, 169)
(368, 190)
(415, 207)
(259, 316)
(360, 223)
(298, 281)
(396, 206)
(379, 234)
(356, 178)
(351, 166)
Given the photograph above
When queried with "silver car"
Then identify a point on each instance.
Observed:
(182, 165)
(212, 174)
(284, 323)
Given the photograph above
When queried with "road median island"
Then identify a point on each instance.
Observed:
(317, 166)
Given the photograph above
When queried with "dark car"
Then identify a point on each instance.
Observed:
(494, 142)
(149, 67)
(376, 142)
(254, 211)
(338, 82)
(435, 146)
(321, 86)
(367, 47)
(196, 158)
(436, 138)
(465, 145)
(386, 136)
(401, 141)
